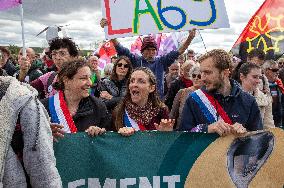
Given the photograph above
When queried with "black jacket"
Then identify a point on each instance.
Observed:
(91, 111)
(10, 68)
(175, 86)
(115, 88)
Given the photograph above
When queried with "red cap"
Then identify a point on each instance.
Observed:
(148, 42)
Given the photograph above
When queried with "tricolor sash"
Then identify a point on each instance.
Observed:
(129, 122)
(210, 107)
(60, 113)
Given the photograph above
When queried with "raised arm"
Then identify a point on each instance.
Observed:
(184, 46)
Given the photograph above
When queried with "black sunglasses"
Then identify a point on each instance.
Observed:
(124, 65)
(274, 70)
(196, 75)
(281, 63)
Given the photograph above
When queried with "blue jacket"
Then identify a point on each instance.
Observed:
(240, 106)
(158, 66)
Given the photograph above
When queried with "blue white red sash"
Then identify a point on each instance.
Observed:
(210, 107)
(60, 113)
(129, 122)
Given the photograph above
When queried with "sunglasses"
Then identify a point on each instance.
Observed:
(126, 66)
(196, 75)
(273, 70)
(281, 63)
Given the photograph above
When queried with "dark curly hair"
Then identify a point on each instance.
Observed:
(113, 75)
(58, 43)
(69, 69)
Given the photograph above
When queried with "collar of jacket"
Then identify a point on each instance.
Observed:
(235, 90)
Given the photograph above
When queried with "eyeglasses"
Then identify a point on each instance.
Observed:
(126, 66)
(273, 70)
(60, 53)
(281, 63)
(196, 75)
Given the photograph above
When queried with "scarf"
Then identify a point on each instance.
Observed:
(142, 115)
(210, 107)
(60, 113)
(187, 82)
(280, 85)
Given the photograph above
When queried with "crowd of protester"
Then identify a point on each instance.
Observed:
(165, 93)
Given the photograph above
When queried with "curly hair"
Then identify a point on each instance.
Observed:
(153, 97)
(222, 59)
(114, 74)
(68, 70)
(58, 43)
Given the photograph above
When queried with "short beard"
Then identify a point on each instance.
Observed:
(217, 85)
(174, 76)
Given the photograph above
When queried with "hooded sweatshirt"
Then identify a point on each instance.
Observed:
(18, 100)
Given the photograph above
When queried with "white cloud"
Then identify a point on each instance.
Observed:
(83, 16)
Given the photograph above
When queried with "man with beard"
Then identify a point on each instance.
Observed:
(220, 106)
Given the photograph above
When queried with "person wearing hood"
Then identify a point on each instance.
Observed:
(221, 106)
(30, 67)
(26, 148)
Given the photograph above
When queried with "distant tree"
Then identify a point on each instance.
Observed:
(14, 49)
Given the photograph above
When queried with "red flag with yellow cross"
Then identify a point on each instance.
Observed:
(265, 31)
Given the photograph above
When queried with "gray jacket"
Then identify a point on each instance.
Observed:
(20, 100)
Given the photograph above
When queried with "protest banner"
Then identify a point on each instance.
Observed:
(166, 159)
(140, 17)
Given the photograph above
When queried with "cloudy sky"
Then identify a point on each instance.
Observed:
(82, 19)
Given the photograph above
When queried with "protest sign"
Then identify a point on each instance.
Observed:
(139, 17)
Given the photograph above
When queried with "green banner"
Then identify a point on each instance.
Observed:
(146, 159)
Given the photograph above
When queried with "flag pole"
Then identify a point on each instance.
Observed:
(23, 29)
(202, 40)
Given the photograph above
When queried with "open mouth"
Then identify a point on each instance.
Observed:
(135, 93)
